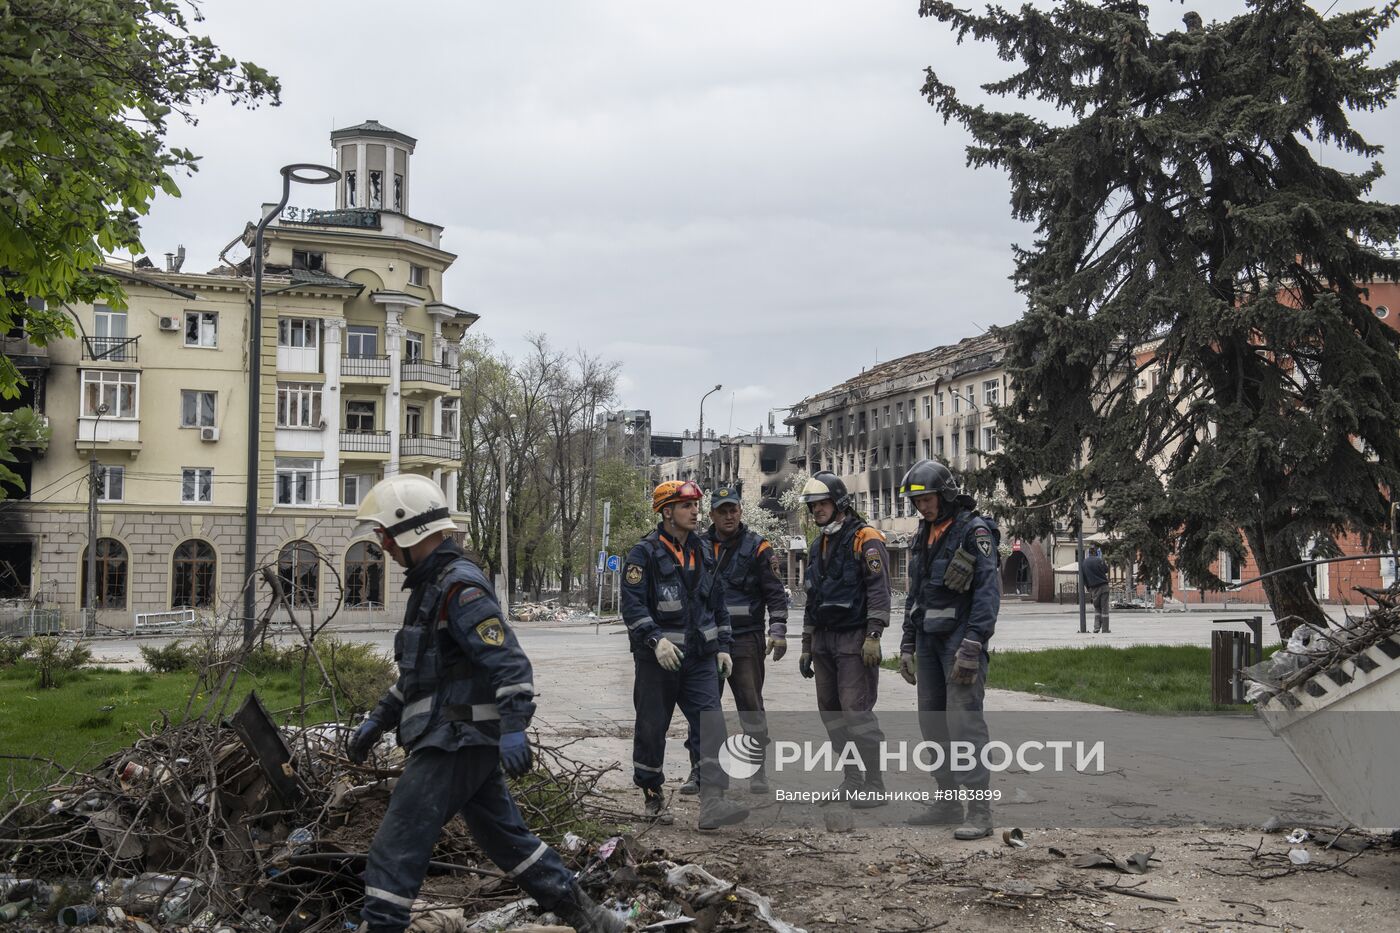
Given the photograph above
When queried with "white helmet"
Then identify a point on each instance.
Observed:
(407, 506)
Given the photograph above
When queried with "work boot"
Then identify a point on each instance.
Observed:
(852, 782)
(939, 813)
(579, 911)
(656, 806)
(691, 787)
(875, 787)
(758, 784)
(715, 811)
(978, 822)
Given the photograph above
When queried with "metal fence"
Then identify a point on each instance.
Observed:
(365, 442)
(24, 621)
(365, 366)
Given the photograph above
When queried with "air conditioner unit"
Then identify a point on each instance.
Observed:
(208, 434)
(169, 323)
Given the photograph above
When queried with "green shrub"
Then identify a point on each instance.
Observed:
(176, 656)
(361, 674)
(14, 650)
(56, 656)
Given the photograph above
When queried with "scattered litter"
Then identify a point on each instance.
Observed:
(1058, 853)
(1135, 864)
(1299, 856)
(1298, 837)
(1272, 825)
(1014, 838)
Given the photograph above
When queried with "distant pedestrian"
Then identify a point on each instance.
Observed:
(1093, 574)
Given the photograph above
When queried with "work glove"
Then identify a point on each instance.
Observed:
(907, 669)
(726, 665)
(515, 753)
(804, 664)
(958, 576)
(870, 650)
(967, 665)
(777, 647)
(358, 748)
(668, 655)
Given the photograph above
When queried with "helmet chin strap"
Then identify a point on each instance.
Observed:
(947, 508)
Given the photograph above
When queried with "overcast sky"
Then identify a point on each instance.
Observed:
(753, 194)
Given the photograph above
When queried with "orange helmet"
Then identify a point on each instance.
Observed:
(673, 491)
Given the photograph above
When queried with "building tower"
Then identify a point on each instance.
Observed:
(373, 162)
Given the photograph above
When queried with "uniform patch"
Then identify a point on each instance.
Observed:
(469, 595)
(634, 574)
(872, 560)
(984, 541)
(492, 632)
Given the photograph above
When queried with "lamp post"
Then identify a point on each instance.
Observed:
(700, 457)
(90, 621)
(503, 597)
(307, 174)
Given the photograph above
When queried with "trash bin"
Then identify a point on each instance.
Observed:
(1230, 654)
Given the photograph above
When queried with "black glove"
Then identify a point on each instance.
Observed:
(358, 748)
(958, 576)
(804, 664)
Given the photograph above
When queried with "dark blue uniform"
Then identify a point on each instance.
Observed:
(463, 680)
(936, 621)
(673, 591)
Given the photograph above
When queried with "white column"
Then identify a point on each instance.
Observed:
(393, 404)
(330, 413)
(361, 177)
(407, 158)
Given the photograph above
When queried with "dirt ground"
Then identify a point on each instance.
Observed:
(903, 881)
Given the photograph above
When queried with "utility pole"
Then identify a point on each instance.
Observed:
(602, 553)
(90, 618)
(700, 457)
(1079, 563)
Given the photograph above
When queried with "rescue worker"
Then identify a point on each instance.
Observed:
(752, 589)
(848, 608)
(949, 617)
(462, 702)
(678, 630)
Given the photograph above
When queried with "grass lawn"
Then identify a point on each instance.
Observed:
(1145, 678)
(71, 725)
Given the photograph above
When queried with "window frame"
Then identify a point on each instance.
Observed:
(292, 468)
(309, 328)
(299, 595)
(417, 275)
(200, 569)
(991, 392)
(304, 256)
(104, 483)
(191, 477)
(362, 481)
(111, 568)
(199, 408)
(117, 378)
(455, 409)
(356, 416)
(354, 340)
(205, 323)
(411, 337)
(293, 397)
(373, 570)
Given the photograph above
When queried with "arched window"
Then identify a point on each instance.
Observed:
(111, 575)
(364, 576)
(300, 570)
(193, 574)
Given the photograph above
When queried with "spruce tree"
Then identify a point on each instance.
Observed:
(1183, 203)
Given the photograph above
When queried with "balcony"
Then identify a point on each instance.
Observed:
(110, 349)
(364, 442)
(108, 434)
(435, 446)
(366, 367)
(433, 376)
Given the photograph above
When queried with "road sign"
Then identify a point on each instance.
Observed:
(602, 556)
(614, 562)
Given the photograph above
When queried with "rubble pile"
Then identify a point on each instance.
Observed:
(547, 611)
(1312, 650)
(246, 826)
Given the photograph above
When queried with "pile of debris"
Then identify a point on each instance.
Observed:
(547, 611)
(1312, 650)
(250, 826)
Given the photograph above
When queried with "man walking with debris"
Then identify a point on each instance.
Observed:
(752, 589)
(949, 617)
(673, 605)
(848, 608)
(461, 705)
(1093, 576)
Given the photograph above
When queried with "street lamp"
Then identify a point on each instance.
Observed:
(700, 457)
(307, 174)
(90, 624)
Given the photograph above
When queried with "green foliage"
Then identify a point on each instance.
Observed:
(90, 87)
(21, 428)
(361, 672)
(176, 656)
(54, 657)
(1185, 222)
(631, 513)
(14, 650)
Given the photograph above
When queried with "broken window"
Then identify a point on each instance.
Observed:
(192, 575)
(376, 189)
(991, 390)
(201, 328)
(197, 484)
(197, 408)
(298, 405)
(398, 192)
(116, 390)
(417, 275)
(299, 566)
(359, 417)
(111, 575)
(296, 482)
(300, 332)
(111, 483)
(350, 193)
(364, 576)
(16, 568)
(309, 260)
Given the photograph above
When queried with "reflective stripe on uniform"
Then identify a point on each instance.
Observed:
(861, 727)
(418, 708)
(949, 612)
(879, 615)
(710, 632)
(525, 865)
(641, 767)
(484, 711)
(779, 616)
(392, 898)
(636, 622)
(396, 693)
(737, 611)
(513, 689)
(668, 605)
